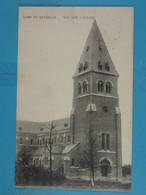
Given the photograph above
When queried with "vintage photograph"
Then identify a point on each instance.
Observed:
(74, 98)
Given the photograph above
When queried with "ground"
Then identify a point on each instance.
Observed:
(99, 185)
(78, 184)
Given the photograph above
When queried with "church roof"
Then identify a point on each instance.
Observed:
(42, 127)
(40, 151)
(68, 148)
(95, 54)
(43, 151)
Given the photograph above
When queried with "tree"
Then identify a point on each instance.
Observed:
(27, 174)
(49, 146)
(24, 156)
(88, 154)
(23, 161)
(126, 169)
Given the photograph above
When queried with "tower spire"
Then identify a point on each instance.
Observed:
(95, 55)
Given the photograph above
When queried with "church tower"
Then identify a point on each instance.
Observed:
(96, 104)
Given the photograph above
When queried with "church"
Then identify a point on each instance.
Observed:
(93, 128)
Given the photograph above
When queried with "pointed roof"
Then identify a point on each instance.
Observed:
(95, 55)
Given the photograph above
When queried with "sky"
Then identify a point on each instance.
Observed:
(50, 44)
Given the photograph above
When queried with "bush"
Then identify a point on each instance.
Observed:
(38, 176)
(126, 169)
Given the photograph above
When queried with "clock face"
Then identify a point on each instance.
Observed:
(105, 108)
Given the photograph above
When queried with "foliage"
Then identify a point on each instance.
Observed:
(24, 156)
(126, 169)
(88, 156)
(27, 174)
(38, 176)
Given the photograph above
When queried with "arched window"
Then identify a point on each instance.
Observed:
(84, 87)
(100, 86)
(79, 88)
(108, 87)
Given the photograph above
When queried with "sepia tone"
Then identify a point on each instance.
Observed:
(86, 146)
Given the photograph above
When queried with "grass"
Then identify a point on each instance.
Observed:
(99, 185)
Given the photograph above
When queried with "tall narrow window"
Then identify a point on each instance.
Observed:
(79, 88)
(61, 139)
(68, 138)
(107, 142)
(108, 87)
(100, 86)
(54, 140)
(46, 160)
(73, 162)
(21, 141)
(38, 142)
(64, 140)
(84, 87)
(103, 141)
(31, 142)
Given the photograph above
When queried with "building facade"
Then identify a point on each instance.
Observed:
(95, 118)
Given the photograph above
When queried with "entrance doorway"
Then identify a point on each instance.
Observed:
(105, 168)
(104, 171)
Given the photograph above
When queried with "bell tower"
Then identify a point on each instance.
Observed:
(96, 102)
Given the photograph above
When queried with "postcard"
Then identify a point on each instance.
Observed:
(74, 98)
